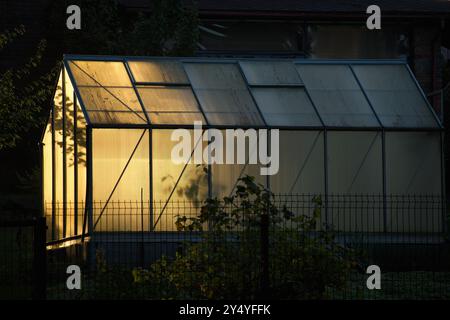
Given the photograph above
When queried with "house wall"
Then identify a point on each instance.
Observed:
(426, 59)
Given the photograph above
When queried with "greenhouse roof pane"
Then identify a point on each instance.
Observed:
(112, 105)
(337, 95)
(166, 105)
(286, 107)
(248, 92)
(394, 96)
(100, 73)
(270, 73)
(167, 71)
(223, 94)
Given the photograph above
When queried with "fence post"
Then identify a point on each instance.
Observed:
(39, 260)
(264, 255)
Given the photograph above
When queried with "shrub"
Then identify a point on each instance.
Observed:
(304, 259)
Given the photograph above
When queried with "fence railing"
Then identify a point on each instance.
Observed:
(420, 215)
(23, 258)
(405, 235)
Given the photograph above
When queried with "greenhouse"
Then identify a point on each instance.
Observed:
(346, 128)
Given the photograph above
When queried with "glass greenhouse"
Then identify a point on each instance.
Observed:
(346, 127)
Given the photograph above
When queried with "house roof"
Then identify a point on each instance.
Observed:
(270, 93)
(440, 7)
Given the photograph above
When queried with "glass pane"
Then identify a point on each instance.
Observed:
(270, 72)
(413, 163)
(170, 105)
(120, 174)
(286, 107)
(99, 73)
(47, 174)
(223, 94)
(355, 168)
(81, 166)
(239, 35)
(70, 159)
(225, 176)
(112, 105)
(158, 71)
(337, 96)
(413, 174)
(116, 117)
(183, 192)
(59, 138)
(301, 175)
(394, 96)
(301, 164)
(355, 163)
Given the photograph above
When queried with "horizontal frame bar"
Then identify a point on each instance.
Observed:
(298, 128)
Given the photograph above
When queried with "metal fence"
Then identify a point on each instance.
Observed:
(22, 258)
(123, 252)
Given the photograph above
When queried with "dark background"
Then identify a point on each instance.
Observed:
(416, 30)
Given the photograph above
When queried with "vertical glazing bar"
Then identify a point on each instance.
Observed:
(64, 156)
(89, 182)
(53, 174)
(209, 168)
(75, 163)
(150, 157)
(41, 167)
(325, 163)
(269, 151)
(89, 211)
(383, 159)
(443, 191)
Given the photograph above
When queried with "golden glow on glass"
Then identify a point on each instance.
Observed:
(112, 149)
(166, 105)
(158, 71)
(100, 73)
(191, 190)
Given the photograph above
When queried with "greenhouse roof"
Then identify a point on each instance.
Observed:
(272, 93)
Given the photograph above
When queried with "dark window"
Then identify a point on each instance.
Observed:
(251, 36)
(357, 42)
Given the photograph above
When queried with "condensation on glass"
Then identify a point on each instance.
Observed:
(163, 71)
(107, 93)
(169, 105)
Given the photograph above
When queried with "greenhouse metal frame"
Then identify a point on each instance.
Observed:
(380, 98)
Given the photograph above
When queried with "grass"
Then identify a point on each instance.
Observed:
(420, 285)
(16, 278)
(414, 285)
